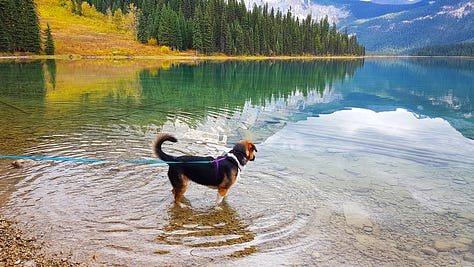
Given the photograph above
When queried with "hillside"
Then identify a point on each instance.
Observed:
(437, 23)
(209, 32)
(90, 35)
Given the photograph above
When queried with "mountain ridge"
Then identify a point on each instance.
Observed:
(426, 24)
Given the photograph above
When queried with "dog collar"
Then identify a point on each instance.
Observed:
(232, 156)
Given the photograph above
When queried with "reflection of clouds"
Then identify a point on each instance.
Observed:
(395, 134)
(214, 227)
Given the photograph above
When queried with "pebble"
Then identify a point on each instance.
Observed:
(415, 259)
(30, 263)
(368, 228)
(469, 257)
(443, 245)
(429, 251)
(447, 245)
(20, 163)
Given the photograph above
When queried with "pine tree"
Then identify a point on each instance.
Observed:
(28, 29)
(49, 45)
(6, 25)
(228, 26)
(168, 30)
(142, 31)
(229, 42)
(197, 29)
(208, 32)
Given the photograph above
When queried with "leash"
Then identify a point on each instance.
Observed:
(86, 160)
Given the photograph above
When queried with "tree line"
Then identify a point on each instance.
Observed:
(227, 26)
(20, 29)
(463, 49)
(207, 26)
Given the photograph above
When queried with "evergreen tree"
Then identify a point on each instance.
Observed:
(229, 42)
(167, 30)
(142, 31)
(27, 30)
(207, 32)
(7, 18)
(49, 45)
(227, 26)
(197, 30)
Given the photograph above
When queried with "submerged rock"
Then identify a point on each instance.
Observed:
(429, 251)
(21, 163)
(356, 216)
(469, 257)
(447, 245)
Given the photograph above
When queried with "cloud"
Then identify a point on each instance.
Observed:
(393, 2)
(302, 8)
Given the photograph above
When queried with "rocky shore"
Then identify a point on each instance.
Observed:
(18, 250)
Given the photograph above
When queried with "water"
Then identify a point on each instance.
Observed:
(359, 163)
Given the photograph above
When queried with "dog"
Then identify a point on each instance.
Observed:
(219, 173)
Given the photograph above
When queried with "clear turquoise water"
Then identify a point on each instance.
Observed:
(359, 162)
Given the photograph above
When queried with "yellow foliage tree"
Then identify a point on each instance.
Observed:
(165, 50)
(130, 20)
(118, 19)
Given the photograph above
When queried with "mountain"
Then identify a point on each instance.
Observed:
(390, 26)
(406, 27)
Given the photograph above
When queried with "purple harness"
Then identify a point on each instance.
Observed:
(217, 163)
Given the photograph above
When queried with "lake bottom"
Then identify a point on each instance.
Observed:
(334, 190)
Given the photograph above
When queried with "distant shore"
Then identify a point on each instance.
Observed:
(214, 57)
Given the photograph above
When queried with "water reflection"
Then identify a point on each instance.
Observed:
(213, 227)
(339, 140)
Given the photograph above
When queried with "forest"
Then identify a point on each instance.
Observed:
(206, 26)
(464, 49)
(19, 27)
(229, 27)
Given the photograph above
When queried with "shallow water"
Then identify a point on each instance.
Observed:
(358, 163)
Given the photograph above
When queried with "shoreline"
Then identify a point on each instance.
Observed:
(216, 57)
(18, 250)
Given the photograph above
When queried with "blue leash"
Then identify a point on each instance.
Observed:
(135, 161)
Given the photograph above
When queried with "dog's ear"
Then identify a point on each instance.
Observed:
(252, 147)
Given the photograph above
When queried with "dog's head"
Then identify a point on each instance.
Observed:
(247, 149)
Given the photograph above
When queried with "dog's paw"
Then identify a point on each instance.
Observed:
(183, 206)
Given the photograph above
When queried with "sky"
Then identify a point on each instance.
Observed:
(301, 8)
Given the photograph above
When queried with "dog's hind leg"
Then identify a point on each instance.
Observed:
(179, 183)
(179, 192)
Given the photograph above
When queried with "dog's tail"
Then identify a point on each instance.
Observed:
(159, 140)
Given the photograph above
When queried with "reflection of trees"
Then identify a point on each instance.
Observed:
(51, 67)
(215, 227)
(22, 94)
(229, 85)
(22, 79)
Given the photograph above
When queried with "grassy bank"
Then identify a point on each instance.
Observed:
(92, 34)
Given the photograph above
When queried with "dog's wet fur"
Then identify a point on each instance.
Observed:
(219, 173)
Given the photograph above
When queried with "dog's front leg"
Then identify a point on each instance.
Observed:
(221, 193)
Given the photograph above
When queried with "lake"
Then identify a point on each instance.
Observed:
(365, 162)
